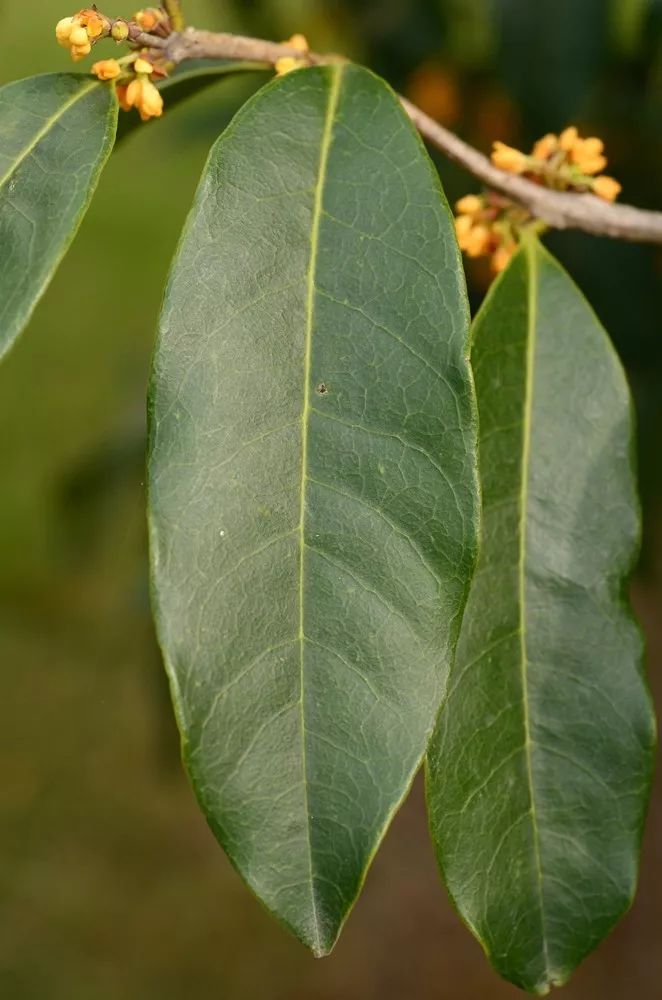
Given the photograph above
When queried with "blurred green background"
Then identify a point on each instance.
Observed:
(111, 886)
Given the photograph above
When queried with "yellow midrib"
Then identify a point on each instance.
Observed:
(46, 127)
(327, 137)
(524, 498)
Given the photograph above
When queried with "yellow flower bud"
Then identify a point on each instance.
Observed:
(593, 147)
(120, 31)
(587, 155)
(121, 92)
(502, 257)
(545, 147)
(506, 158)
(607, 188)
(478, 241)
(591, 164)
(78, 35)
(568, 139)
(143, 95)
(148, 19)
(298, 42)
(463, 226)
(79, 52)
(94, 24)
(287, 64)
(151, 105)
(471, 204)
(107, 69)
(63, 30)
(143, 66)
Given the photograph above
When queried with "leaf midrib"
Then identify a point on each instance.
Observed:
(531, 341)
(325, 149)
(46, 127)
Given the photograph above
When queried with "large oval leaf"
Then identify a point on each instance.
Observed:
(56, 133)
(539, 771)
(312, 483)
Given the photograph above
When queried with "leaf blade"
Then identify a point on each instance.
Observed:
(512, 772)
(274, 367)
(42, 199)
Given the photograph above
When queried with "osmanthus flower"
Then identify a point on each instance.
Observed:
(491, 224)
(150, 18)
(134, 74)
(487, 225)
(78, 33)
(564, 162)
(288, 63)
(107, 69)
(506, 158)
(141, 93)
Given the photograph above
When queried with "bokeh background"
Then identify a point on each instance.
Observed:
(111, 886)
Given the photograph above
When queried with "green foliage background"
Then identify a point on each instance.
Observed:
(110, 884)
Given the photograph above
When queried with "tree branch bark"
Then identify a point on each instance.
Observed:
(560, 210)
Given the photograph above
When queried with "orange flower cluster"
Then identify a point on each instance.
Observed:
(565, 162)
(80, 32)
(486, 225)
(133, 75)
(491, 225)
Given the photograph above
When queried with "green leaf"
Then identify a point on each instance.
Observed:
(56, 132)
(312, 483)
(186, 80)
(539, 771)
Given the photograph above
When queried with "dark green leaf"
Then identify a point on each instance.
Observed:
(539, 772)
(188, 79)
(312, 483)
(56, 133)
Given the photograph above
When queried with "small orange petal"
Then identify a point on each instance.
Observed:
(107, 69)
(568, 138)
(471, 204)
(143, 66)
(544, 147)
(607, 188)
(506, 158)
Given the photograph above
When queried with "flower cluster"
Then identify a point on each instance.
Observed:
(134, 86)
(565, 162)
(285, 65)
(489, 225)
(80, 32)
(133, 75)
(141, 93)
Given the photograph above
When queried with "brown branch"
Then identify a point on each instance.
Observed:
(561, 210)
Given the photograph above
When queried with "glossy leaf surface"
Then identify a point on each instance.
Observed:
(539, 772)
(312, 483)
(56, 132)
(187, 80)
